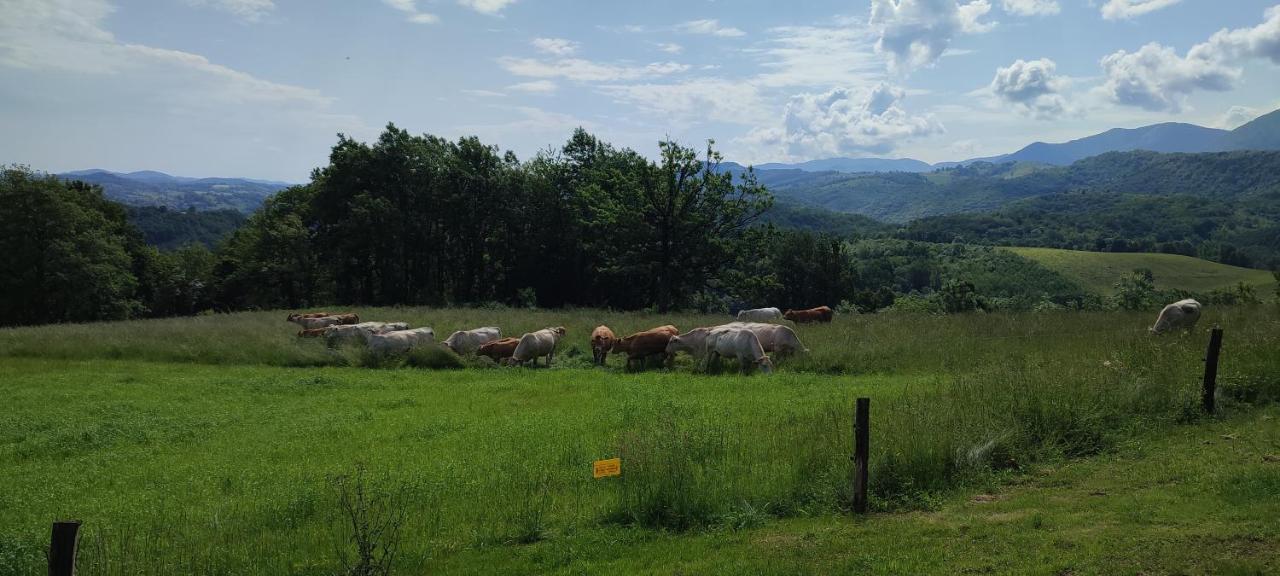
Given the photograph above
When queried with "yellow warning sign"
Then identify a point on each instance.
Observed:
(610, 467)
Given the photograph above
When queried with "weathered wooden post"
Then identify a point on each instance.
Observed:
(1211, 370)
(861, 439)
(62, 548)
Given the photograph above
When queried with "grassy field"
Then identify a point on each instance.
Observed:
(221, 445)
(1098, 271)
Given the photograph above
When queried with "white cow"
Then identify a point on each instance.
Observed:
(773, 338)
(536, 344)
(400, 340)
(760, 315)
(468, 341)
(1181, 315)
(335, 335)
(739, 343)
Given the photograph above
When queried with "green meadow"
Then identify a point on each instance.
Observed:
(224, 445)
(1098, 271)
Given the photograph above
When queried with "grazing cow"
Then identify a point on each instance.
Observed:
(499, 350)
(739, 343)
(537, 344)
(468, 341)
(760, 315)
(336, 335)
(819, 314)
(347, 319)
(321, 322)
(775, 338)
(296, 316)
(401, 340)
(1181, 315)
(643, 345)
(602, 340)
(313, 333)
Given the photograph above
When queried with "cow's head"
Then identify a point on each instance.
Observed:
(766, 365)
(558, 330)
(293, 317)
(675, 344)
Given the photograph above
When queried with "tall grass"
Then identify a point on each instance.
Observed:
(237, 454)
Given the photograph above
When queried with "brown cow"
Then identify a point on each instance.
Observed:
(643, 345)
(347, 318)
(499, 350)
(819, 314)
(311, 333)
(602, 340)
(297, 316)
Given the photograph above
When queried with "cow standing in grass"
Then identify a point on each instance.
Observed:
(602, 340)
(643, 345)
(468, 341)
(760, 315)
(774, 338)
(819, 314)
(1181, 315)
(739, 343)
(400, 341)
(337, 335)
(537, 344)
(499, 350)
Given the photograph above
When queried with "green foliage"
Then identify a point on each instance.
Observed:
(1136, 290)
(171, 229)
(67, 252)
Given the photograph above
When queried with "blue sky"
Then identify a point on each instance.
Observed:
(259, 88)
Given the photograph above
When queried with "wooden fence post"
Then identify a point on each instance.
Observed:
(62, 548)
(1211, 370)
(861, 439)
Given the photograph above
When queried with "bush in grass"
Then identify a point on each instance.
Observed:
(433, 357)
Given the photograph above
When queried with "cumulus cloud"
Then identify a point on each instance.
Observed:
(1031, 7)
(412, 14)
(556, 46)
(1236, 117)
(710, 27)
(915, 33)
(490, 7)
(1155, 77)
(1033, 86)
(1126, 9)
(250, 10)
(580, 70)
(844, 122)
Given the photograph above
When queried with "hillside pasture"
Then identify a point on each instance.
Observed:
(1099, 271)
(217, 444)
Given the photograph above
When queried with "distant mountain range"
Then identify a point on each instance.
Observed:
(1262, 133)
(150, 188)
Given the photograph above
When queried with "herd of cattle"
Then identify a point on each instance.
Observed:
(750, 340)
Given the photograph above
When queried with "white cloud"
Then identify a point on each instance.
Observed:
(580, 70)
(555, 46)
(483, 93)
(1126, 9)
(487, 6)
(915, 33)
(412, 14)
(1032, 86)
(819, 57)
(710, 27)
(250, 10)
(1236, 117)
(670, 47)
(535, 87)
(845, 122)
(1156, 78)
(1031, 7)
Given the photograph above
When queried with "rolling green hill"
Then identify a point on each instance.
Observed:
(1098, 271)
